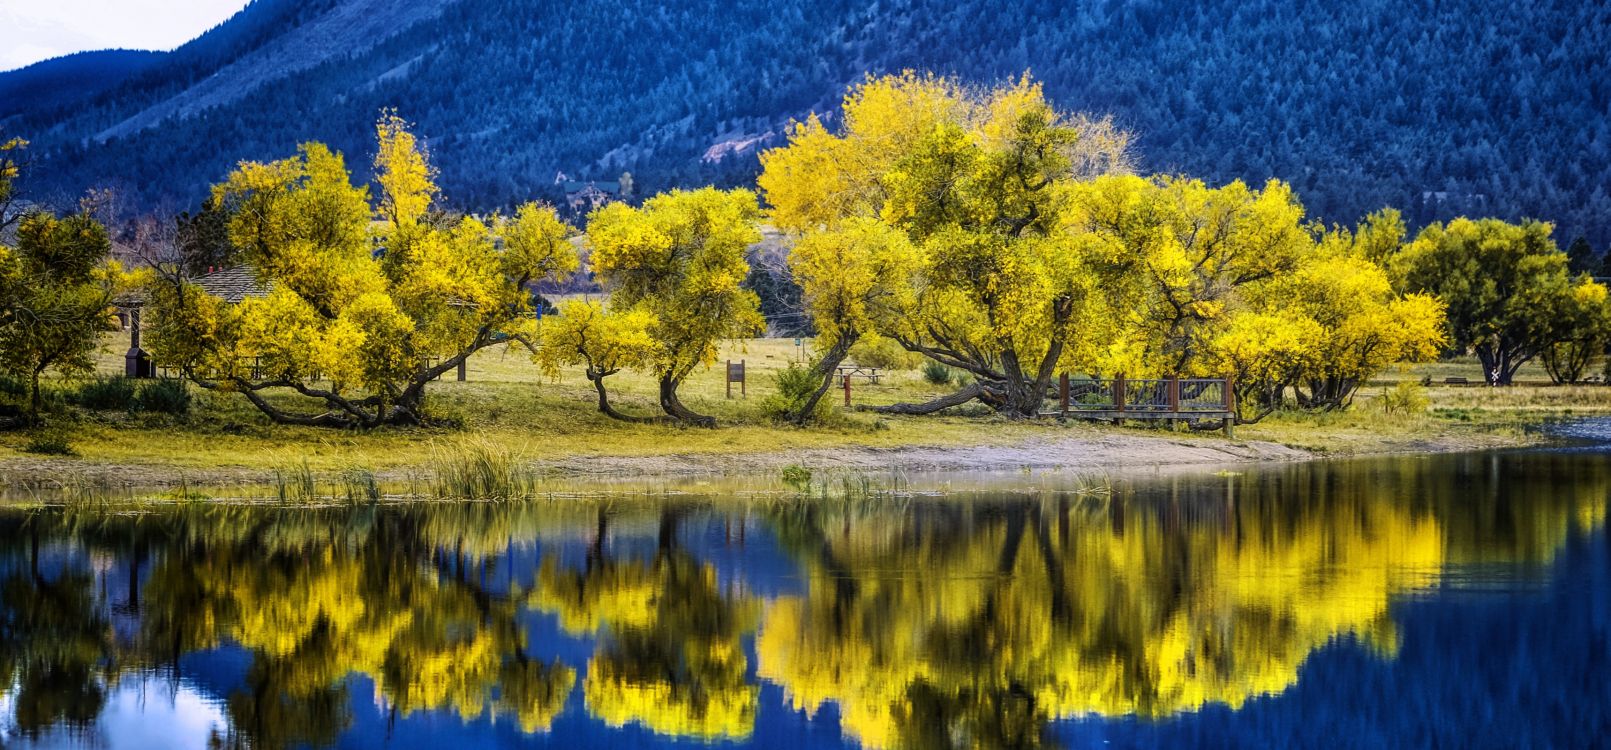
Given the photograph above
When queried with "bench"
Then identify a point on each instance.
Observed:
(869, 374)
(1456, 381)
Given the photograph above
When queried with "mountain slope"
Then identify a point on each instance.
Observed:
(1435, 106)
(63, 80)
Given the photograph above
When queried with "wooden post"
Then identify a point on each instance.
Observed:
(1062, 393)
(136, 363)
(847, 391)
(1174, 401)
(743, 381)
(464, 370)
(1118, 398)
(1230, 406)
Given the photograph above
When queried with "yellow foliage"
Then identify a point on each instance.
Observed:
(356, 309)
(681, 259)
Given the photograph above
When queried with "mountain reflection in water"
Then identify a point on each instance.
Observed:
(1462, 600)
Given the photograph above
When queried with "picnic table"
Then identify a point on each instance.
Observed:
(870, 374)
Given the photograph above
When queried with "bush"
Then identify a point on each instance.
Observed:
(1408, 397)
(106, 394)
(938, 374)
(795, 384)
(50, 441)
(884, 354)
(12, 386)
(166, 396)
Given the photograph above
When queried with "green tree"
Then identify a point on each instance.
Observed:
(1580, 333)
(56, 292)
(1580, 256)
(202, 239)
(681, 259)
(359, 314)
(1504, 286)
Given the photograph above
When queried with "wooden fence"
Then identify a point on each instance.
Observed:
(1118, 399)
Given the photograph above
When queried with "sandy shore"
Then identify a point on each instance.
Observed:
(1106, 452)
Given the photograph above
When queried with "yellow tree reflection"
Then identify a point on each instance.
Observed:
(974, 626)
(669, 654)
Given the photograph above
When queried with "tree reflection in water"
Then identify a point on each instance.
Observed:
(967, 623)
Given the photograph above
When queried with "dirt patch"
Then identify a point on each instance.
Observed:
(1105, 452)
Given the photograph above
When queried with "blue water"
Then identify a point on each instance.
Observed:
(1456, 601)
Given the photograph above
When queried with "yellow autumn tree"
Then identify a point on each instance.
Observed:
(977, 180)
(855, 280)
(1327, 326)
(604, 341)
(359, 313)
(680, 259)
(1185, 250)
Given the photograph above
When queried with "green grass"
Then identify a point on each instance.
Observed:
(508, 405)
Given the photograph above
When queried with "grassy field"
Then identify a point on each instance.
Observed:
(506, 401)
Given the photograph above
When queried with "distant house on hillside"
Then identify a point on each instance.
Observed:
(586, 196)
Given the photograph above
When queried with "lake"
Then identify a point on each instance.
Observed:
(1448, 601)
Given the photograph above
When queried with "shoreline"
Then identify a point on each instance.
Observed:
(1104, 451)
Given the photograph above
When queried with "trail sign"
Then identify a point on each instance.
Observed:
(735, 374)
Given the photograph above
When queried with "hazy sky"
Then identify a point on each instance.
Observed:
(34, 30)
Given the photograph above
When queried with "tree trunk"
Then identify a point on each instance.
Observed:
(674, 406)
(35, 400)
(971, 392)
(827, 367)
(604, 399)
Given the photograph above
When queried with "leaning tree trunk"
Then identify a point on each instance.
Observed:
(971, 392)
(827, 367)
(674, 406)
(597, 377)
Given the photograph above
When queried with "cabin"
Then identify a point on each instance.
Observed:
(231, 285)
(586, 196)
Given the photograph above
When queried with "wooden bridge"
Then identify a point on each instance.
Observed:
(1175, 399)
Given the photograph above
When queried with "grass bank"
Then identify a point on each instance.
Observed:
(551, 424)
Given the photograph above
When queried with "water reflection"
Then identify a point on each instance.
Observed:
(986, 621)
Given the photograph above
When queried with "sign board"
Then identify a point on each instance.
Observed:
(735, 374)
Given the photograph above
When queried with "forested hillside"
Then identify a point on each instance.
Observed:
(69, 79)
(1439, 107)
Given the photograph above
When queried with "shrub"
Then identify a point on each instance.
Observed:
(106, 394)
(797, 477)
(166, 396)
(938, 374)
(795, 384)
(883, 353)
(1408, 397)
(12, 386)
(50, 441)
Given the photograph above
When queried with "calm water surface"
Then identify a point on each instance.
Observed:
(1458, 601)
